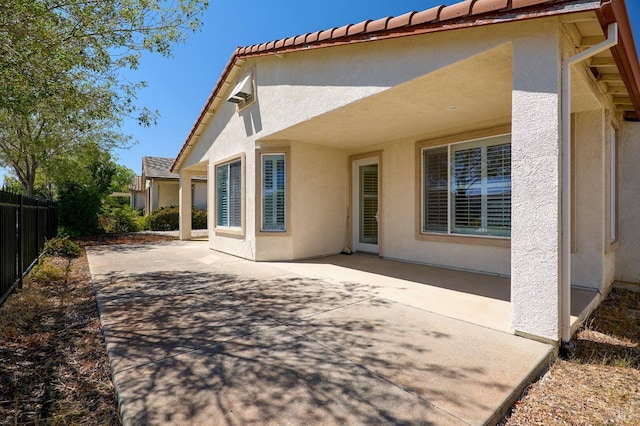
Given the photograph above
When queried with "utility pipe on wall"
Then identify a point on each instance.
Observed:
(612, 40)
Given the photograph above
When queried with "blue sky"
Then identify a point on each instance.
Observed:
(179, 86)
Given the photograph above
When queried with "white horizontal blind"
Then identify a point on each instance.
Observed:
(436, 190)
(273, 192)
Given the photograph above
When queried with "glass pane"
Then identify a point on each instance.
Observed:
(481, 187)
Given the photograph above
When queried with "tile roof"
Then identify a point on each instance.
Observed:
(160, 168)
(467, 13)
(137, 185)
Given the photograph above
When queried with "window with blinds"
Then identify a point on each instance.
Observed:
(436, 190)
(273, 193)
(467, 188)
(228, 195)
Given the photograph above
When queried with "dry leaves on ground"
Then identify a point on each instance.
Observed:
(600, 383)
(53, 362)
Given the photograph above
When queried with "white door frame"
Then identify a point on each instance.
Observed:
(355, 205)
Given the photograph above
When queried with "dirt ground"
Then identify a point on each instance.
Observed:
(54, 368)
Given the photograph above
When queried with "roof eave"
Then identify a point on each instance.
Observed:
(624, 53)
(439, 18)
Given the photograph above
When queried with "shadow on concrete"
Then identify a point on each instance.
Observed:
(491, 286)
(196, 347)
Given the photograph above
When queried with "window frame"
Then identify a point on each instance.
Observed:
(446, 142)
(260, 152)
(229, 230)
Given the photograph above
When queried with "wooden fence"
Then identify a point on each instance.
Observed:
(25, 225)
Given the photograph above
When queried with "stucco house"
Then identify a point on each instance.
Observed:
(495, 136)
(158, 187)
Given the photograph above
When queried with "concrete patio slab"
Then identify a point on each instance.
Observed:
(199, 337)
(275, 377)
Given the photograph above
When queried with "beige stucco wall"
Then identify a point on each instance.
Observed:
(167, 194)
(535, 200)
(320, 192)
(627, 258)
(587, 262)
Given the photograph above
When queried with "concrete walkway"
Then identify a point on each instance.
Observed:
(199, 337)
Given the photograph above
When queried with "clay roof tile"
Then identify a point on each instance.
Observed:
(457, 10)
(486, 6)
(426, 16)
(312, 37)
(400, 21)
(358, 28)
(378, 24)
(325, 35)
(341, 32)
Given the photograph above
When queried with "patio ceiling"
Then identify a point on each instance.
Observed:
(467, 95)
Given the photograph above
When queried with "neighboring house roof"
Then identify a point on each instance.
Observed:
(137, 185)
(160, 168)
(468, 13)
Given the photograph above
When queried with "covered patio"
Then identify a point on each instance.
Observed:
(480, 299)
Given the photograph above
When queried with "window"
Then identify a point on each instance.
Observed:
(467, 188)
(273, 193)
(229, 195)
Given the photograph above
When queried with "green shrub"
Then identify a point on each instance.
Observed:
(78, 208)
(45, 272)
(142, 223)
(164, 219)
(62, 247)
(168, 219)
(118, 219)
(198, 219)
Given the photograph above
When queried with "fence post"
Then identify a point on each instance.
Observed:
(20, 241)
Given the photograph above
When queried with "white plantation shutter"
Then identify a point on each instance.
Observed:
(229, 195)
(436, 190)
(222, 196)
(369, 202)
(273, 192)
(467, 190)
(499, 189)
(235, 191)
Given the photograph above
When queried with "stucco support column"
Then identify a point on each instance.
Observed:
(185, 205)
(536, 185)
